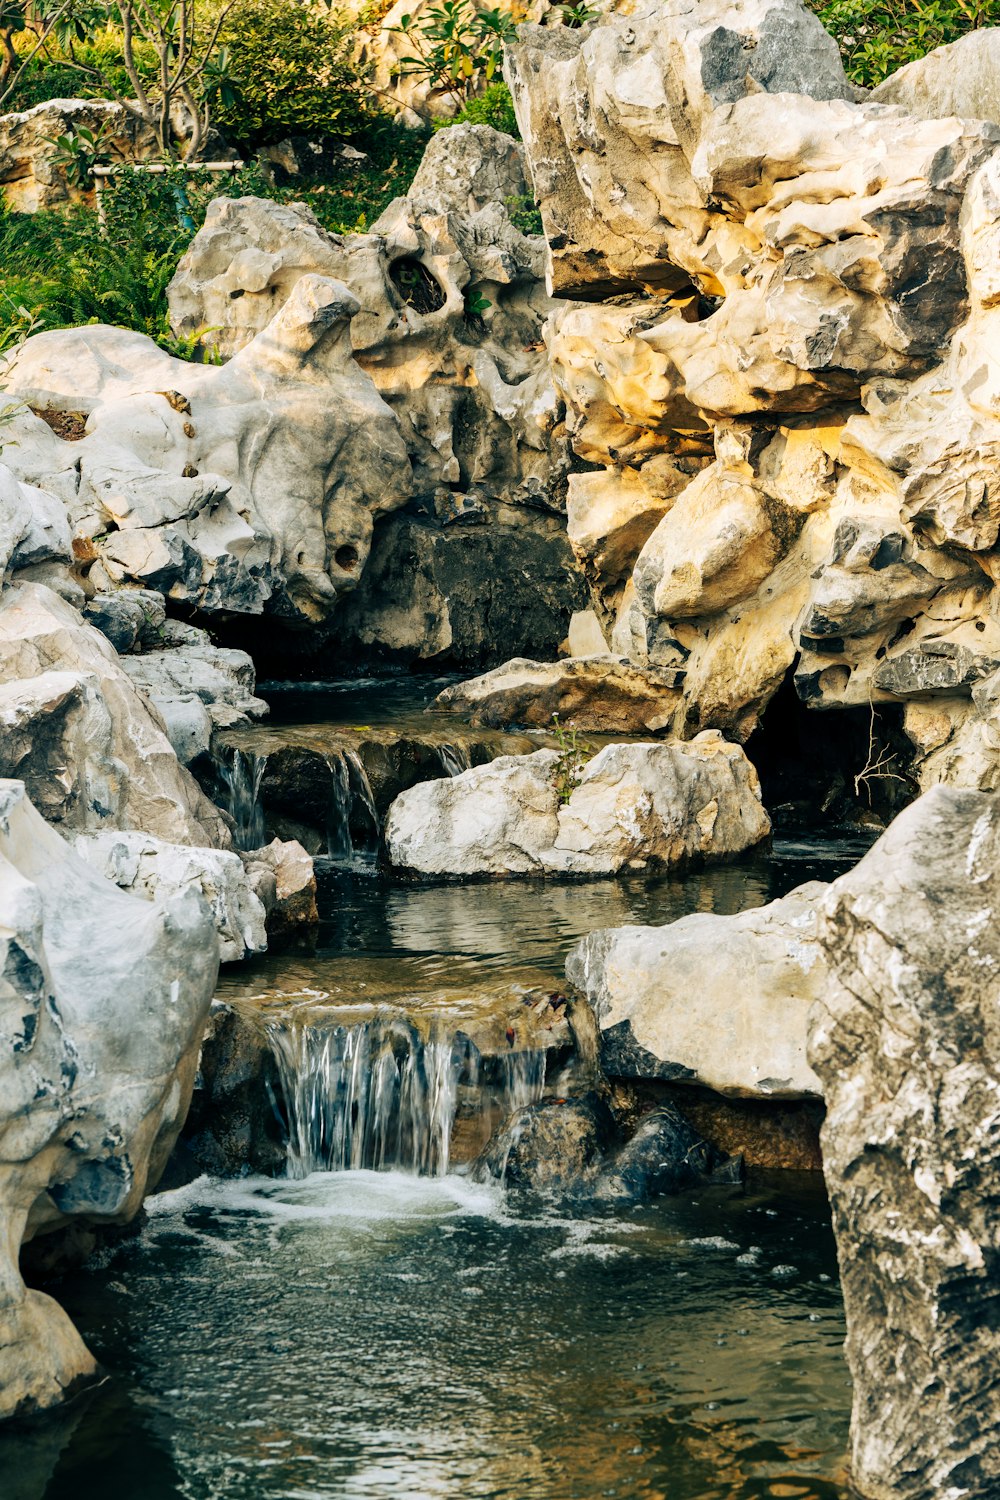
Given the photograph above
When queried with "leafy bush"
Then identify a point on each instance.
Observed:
(458, 48)
(292, 69)
(49, 77)
(878, 36)
(493, 106)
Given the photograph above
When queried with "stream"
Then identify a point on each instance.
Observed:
(387, 1336)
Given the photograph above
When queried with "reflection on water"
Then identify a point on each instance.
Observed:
(382, 1337)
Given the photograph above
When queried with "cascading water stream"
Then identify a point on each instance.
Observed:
(349, 784)
(380, 1095)
(242, 779)
(454, 759)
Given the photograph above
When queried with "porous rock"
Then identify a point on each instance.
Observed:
(104, 1000)
(906, 1043)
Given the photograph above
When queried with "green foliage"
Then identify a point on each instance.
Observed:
(575, 16)
(493, 106)
(17, 323)
(878, 36)
(353, 200)
(574, 754)
(292, 71)
(103, 72)
(73, 270)
(78, 153)
(525, 214)
(458, 48)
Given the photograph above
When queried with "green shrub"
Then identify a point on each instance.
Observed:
(293, 72)
(493, 106)
(50, 78)
(878, 36)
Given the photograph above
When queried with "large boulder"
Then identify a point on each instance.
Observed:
(103, 1003)
(960, 79)
(155, 871)
(721, 1001)
(906, 1042)
(451, 317)
(33, 172)
(92, 751)
(247, 487)
(634, 806)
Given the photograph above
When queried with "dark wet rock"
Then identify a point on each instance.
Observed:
(464, 596)
(572, 1150)
(233, 1125)
(132, 619)
(556, 1147)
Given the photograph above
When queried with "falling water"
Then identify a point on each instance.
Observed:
(454, 759)
(379, 1095)
(241, 779)
(349, 785)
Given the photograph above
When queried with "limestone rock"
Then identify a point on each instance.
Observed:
(630, 807)
(284, 877)
(907, 1046)
(604, 692)
(103, 1003)
(452, 310)
(464, 595)
(721, 1001)
(32, 177)
(242, 488)
(197, 688)
(132, 619)
(156, 871)
(959, 79)
(92, 752)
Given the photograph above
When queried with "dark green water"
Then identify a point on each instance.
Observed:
(382, 1337)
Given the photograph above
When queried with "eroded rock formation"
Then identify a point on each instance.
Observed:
(103, 1002)
(775, 350)
(907, 1047)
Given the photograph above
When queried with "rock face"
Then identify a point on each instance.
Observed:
(104, 1000)
(630, 807)
(31, 175)
(245, 488)
(907, 1046)
(93, 754)
(156, 871)
(754, 252)
(712, 1000)
(601, 692)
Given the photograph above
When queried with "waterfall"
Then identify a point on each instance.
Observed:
(348, 784)
(380, 1095)
(454, 759)
(241, 780)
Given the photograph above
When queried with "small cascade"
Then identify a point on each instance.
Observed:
(454, 759)
(380, 1095)
(349, 785)
(241, 780)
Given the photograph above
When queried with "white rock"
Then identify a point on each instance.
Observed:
(93, 753)
(148, 867)
(721, 1001)
(631, 807)
(103, 1002)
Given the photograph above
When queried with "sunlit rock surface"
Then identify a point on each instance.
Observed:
(103, 1002)
(753, 253)
(907, 1047)
(634, 806)
(721, 1001)
(602, 692)
(92, 751)
(247, 488)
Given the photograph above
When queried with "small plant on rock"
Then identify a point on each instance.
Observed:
(459, 49)
(574, 753)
